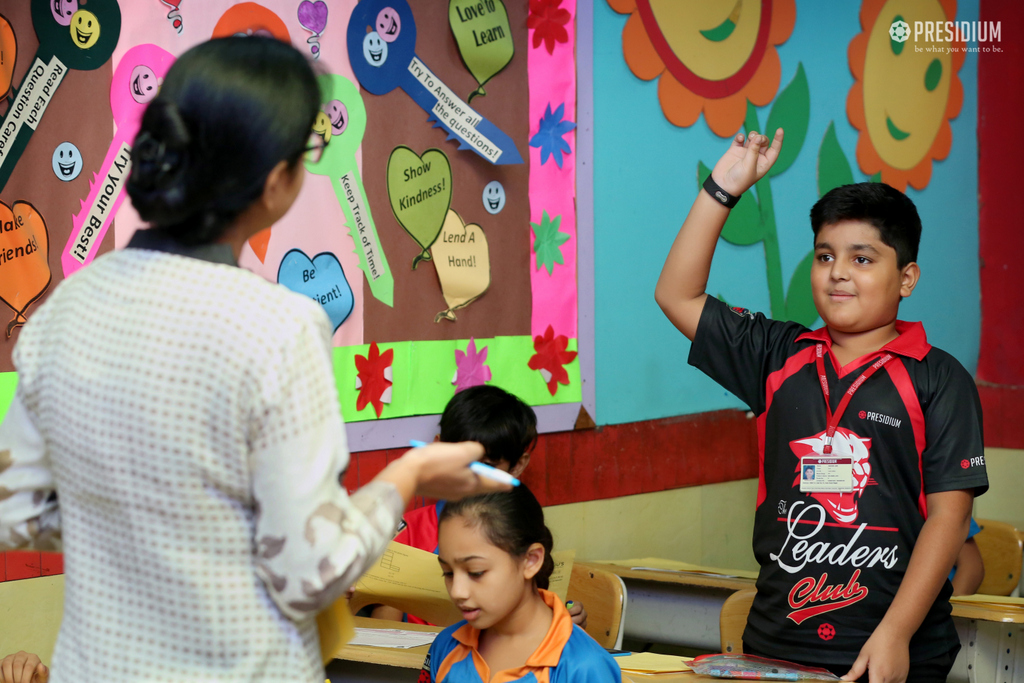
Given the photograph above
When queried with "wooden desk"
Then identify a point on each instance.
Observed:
(675, 607)
(990, 638)
(362, 664)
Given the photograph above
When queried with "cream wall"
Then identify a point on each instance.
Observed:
(1004, 500)
(709, 525)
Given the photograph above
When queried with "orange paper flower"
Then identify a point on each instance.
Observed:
(904, 92)
(710, 56)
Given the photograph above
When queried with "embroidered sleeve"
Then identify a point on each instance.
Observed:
(28, 500)
(312, 541)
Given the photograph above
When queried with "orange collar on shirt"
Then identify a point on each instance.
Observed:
(546, 655)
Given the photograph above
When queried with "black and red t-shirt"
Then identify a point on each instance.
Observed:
(831, 563)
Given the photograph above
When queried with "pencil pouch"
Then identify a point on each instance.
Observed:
(757, 668)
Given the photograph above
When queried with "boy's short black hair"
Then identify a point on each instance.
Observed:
(500, 421)
(885, 207)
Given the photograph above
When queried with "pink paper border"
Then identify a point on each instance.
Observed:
(553, 189)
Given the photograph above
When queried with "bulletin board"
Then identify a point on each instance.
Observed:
(438, 230)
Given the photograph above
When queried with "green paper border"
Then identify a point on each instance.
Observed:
(422, 373)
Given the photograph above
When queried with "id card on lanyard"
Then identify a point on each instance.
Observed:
(833, 473)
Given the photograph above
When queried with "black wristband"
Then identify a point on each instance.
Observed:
(721, 196)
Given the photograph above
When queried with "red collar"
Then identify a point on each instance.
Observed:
(912, 341)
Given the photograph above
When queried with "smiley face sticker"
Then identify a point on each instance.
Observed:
(63, 10)
(337, 112)
(144, 84)
(375, 50)
(494, 197)
(389, 25)
(67, 162)
(85, 29)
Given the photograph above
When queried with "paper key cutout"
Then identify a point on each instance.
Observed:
(24, 264)
(420, 191)
(382, 65)
(135, 82)
(84, 44)
(484, 37)
(345, 114)
(8, 55)
(322, 279)
(463, 264)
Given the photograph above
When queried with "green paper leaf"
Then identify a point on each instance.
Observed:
(877, 178)
(800, 299)
(833, 168)
(791, 112)
(548, 242)
(743, 227)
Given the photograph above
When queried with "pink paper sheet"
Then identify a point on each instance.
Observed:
(553, 189)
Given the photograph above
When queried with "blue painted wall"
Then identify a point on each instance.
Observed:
(645, 182)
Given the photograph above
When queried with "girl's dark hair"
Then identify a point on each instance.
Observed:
(889, 210)
(504, 425)
(511, 520)
(228, 111)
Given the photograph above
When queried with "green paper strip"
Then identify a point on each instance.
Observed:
(423, 372)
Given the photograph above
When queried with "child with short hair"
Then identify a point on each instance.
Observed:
(495, 552)
(854, 564)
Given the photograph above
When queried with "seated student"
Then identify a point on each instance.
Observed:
(23, 667)
(969, 570)
(507, 429)
(495, 552)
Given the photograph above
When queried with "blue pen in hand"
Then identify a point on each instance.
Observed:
(480, 468)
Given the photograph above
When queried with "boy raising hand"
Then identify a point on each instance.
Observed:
(853, 560)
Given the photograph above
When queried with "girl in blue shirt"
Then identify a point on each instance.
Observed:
(495, 552)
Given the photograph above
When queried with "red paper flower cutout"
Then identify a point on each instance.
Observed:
(548, 22)
(550, 357)
(374, 379)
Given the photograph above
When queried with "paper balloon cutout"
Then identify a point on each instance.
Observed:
(374, 378)
(420, 190)
(24, 265)
(484, 37)
(313, 18)
(174, 16)
(322, 280)
(471, 367)
(551, 357)
(463, 264)
(8, 53)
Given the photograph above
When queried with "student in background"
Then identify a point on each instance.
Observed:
(23, 667)
(176, 422)
(854, 581)
(495, 552)
(507, 429)
(969, 571)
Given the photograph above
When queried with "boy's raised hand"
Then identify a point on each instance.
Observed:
(746, 161)
(23, 667)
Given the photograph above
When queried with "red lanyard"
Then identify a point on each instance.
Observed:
(833, 419)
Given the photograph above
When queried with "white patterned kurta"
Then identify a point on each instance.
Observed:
(176, 430)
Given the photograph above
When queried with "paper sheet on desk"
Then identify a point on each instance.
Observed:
(657, 564)
(649, 662)
(388, 637)
(335, 626)
(410, 579)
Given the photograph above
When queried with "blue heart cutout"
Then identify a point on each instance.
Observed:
(322, 280)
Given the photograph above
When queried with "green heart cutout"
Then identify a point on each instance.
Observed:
(484, 37)
(420, 191)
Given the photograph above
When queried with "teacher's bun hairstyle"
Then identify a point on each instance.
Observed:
(229, 110)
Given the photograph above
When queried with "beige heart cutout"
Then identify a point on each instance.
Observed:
(463, 263)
